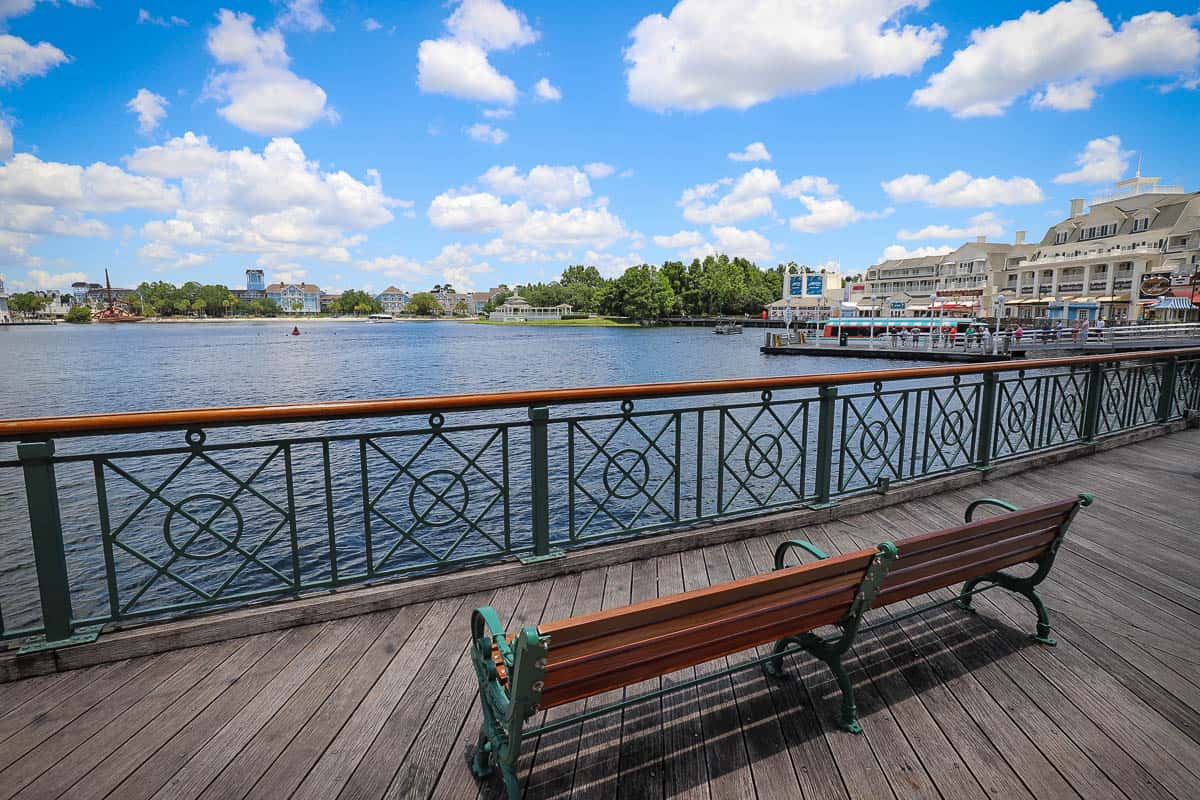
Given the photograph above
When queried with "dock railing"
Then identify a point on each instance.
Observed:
(158, 514)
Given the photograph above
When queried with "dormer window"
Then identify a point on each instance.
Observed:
(1141, 224)
(1061, 237)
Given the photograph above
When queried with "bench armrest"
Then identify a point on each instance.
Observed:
(811, 548)
(486, 622)
(987, 501)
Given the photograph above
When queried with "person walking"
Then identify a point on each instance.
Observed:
(1100, 328)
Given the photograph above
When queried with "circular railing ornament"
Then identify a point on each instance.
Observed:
(767, 453)
(630, 466)
(203, 519)
(439, 497)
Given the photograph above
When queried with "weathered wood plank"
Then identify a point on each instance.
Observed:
(330, 773)
(292, 765)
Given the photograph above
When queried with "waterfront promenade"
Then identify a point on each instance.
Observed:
(953, 705)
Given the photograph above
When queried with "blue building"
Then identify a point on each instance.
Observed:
(393, 300)
(255, 282)
(296, 298)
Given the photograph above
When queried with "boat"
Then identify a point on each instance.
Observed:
(114, 311)
(726, 328)
(381, 318)
(296, 330)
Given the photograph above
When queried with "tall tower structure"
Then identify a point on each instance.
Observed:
(255, 281)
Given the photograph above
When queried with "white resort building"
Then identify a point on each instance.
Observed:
(517, 309)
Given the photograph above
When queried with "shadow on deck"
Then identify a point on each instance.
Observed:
(953, 705)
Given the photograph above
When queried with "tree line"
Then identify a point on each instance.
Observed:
(713, 286)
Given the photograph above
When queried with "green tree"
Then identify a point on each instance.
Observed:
(27, 303)
(79, 315)
(460, 308)
(642, 292)
(423, 303)
(353, 301)
(199, 307)
(297, 306)
(578, 274)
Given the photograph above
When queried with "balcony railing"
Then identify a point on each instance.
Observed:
(138, 515)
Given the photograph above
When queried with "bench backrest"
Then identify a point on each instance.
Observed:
(936, 560)
(593, 653)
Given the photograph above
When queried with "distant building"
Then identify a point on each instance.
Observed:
(327, 301)
(449, 300)
(296, 298)
(5, 314)
(97, 296)
(80, 290)
(255, 281)
(517, 309)
(393, 300)
(811, 295)
(479, 300)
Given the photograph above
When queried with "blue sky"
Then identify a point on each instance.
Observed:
(358, 144)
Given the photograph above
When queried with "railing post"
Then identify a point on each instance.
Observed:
(987, 420)
(827, 408)
(539, 467)
(41, 494)
(1166, 391)
(1091, 407)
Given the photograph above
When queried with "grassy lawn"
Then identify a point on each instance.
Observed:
(592, 322)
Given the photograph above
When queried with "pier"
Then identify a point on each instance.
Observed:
(357, 683)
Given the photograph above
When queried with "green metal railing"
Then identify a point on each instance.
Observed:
(156, 527)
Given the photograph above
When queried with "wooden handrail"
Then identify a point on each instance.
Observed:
(143, 421)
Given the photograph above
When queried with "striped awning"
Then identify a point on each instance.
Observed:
(1174, 304)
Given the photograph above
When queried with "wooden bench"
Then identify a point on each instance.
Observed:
(559, 662)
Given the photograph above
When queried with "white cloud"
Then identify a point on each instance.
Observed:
(458, 65)
(546, 90)
(985, 224)
(394, 266)
(828, 213)
(47, 220)
(100, 188)
(680, 239)
(150, 109)
(263, 95)
(461, 69)
(557, 187)
(1102, 161)
(477, 212)
(610, 265)
(897, 251)
(1076, 96)
(144, 17)
(598, 169)
(959, 189)
(292, 275)
(746, 244)
(41, 279)
(738, 53)
(750, 197)
(491, 25)
(1070, 48)
(277, 205)
(482, 132)
(19, 59)
(497, 113)
(371, 24)
(304, 15)
(810, 184)
(6, 141)
(755, 151)
(592, 226)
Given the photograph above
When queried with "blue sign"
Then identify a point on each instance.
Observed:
(814, 284)
(794, 286)
(897, 305)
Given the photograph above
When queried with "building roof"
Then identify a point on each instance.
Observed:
(392, 290)
(304, 287)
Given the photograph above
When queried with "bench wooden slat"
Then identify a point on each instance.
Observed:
(733, 641)
(824, 590)
(565, 632)
(913, 546)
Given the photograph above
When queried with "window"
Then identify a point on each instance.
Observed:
(1061, 237)
(1141, 224)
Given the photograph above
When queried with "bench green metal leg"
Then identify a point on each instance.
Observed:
(1021, 586)
(831, 650)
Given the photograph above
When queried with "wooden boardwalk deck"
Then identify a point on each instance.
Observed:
(953, 705)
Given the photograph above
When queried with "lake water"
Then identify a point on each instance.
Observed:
(108, 368)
